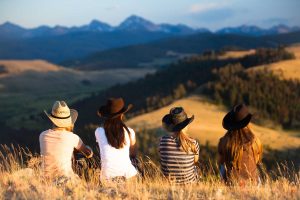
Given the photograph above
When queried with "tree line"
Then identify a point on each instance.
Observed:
(184, 77)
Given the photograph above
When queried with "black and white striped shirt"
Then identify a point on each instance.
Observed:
(176, 164)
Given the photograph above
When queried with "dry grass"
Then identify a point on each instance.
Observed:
(237, 54)
(23, 180)
(289, 69)
(15, 67)
(207, 126)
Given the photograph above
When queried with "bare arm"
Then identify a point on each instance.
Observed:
(133, 148)
(85, 150)
(220, 153)
(196, 157)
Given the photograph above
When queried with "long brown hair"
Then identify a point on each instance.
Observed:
(234, 146)
(114, 131)
(185, 142)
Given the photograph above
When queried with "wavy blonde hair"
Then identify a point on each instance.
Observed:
(186, 142)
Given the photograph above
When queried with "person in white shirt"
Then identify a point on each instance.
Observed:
(57, 144)
(116, 141)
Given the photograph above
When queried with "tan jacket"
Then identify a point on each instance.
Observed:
(251, 156)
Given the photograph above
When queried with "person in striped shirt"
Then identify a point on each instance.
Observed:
(179, 153)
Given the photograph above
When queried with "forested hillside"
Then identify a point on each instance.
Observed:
(181, 79)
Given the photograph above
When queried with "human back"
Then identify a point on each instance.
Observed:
(116, 141)
(239, 149)
(241, 152)
(57, 149)
(115, 161)
(178, 152)
(58, 143)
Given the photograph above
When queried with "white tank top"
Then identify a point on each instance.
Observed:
(115, 162)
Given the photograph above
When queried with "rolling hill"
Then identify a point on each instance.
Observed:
(207, 126)
(289, 69)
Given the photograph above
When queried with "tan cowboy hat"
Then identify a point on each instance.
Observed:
(61, 115)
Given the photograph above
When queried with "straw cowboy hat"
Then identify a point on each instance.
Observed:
(176, 120)
(114, 107)
(61, 115)
(239, 117)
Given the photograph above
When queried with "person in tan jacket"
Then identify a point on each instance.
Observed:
(240, 151)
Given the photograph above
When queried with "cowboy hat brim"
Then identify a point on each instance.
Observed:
(169, 126)
(230, 125)
(70, 121)
(102, 112)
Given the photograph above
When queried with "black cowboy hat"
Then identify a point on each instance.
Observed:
(239, 117)
(176, 120)
(114, 107)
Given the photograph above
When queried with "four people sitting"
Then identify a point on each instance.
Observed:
(239, 149)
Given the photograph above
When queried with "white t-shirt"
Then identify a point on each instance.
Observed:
(56, 150)
(115, 162)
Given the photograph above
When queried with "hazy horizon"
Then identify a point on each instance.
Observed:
(88, 22)
(211, 14)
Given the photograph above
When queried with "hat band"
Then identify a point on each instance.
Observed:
(60, 117)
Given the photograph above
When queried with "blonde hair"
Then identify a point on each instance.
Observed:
(234, 141)
(185, 142)
(69, 128)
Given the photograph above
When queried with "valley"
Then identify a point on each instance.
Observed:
(33, 85)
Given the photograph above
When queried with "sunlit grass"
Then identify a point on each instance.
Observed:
(21, 178)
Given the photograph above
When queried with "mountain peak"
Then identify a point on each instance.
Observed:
(10, 25)
(136, 18)
(96, 25)
(135, 22)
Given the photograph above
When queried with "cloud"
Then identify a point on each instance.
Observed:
(275, 21)
(198, 8)
(209, 6)
(215, 15)
(211, 11)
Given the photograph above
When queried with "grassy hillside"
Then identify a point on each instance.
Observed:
(28, 87)
(207, 126)
(180, 79)
(289, 69)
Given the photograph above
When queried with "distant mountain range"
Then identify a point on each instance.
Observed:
(169, 50)
(60, 43)
(134, 23)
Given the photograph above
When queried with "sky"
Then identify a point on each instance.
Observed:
(212, 14)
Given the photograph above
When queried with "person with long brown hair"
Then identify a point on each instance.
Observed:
(240, 151)
(116, 141)
(179, 153)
